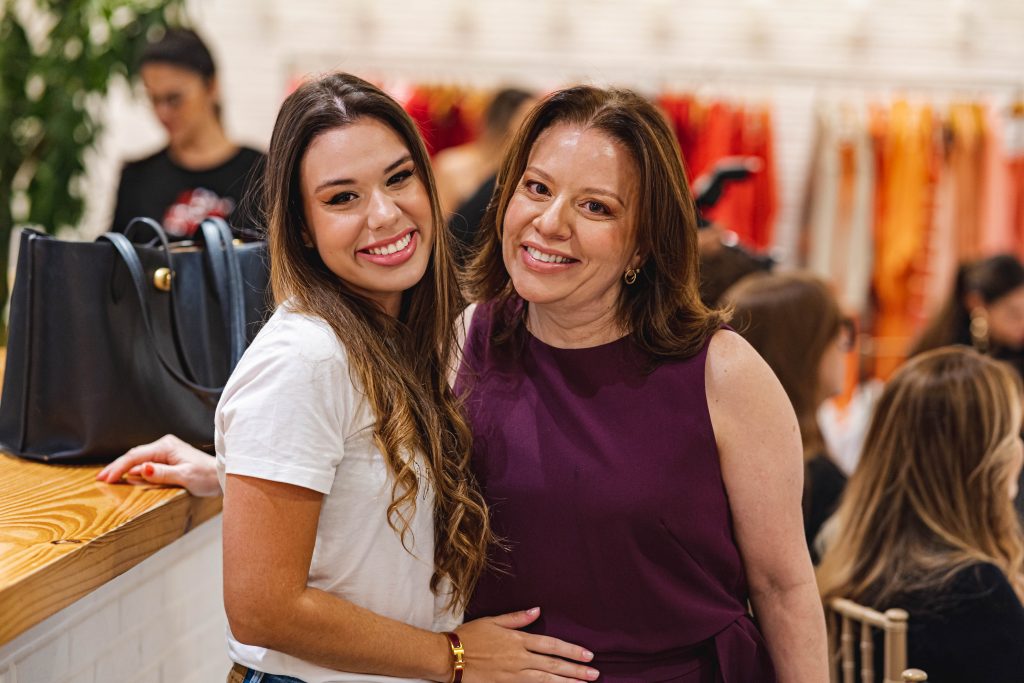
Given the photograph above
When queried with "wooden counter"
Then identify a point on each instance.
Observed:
(63, 534)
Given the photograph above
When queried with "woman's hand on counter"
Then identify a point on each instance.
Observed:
(168, 461)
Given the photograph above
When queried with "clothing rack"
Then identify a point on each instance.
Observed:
(461, 66)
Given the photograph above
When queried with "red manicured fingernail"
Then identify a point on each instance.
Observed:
(148, 470)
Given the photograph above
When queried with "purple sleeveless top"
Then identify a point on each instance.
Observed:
(605, 484)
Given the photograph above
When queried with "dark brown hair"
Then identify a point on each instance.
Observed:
(662, 310)
(501, 110)
(402, 365)
(183, 48)
(990, 278)
(790, 319)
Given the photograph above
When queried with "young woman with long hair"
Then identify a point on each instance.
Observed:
(353, 530)
(927, 522)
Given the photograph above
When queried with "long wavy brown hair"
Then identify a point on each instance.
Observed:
(663, 310)
(931, 494)
(401, 364)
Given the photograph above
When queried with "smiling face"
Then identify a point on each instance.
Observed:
(367, 210)
(569, 231)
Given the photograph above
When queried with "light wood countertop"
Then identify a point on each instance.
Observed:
(63, 534)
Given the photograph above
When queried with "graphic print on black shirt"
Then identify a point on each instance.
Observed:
(156, 187)
(183, 217)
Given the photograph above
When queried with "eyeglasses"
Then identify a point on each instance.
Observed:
(171, 101)
(847, 334)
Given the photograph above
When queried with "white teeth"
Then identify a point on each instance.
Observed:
(393, 247)
(546, 258)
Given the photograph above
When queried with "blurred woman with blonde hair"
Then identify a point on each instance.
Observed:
(927, 523)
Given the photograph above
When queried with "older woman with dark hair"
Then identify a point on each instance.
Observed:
(642, 462)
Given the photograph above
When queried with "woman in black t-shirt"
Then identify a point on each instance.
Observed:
(201, 172)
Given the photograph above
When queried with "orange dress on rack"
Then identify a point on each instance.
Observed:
(967, 164)
(907, 178)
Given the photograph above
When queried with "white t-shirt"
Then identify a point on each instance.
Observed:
(291, 413)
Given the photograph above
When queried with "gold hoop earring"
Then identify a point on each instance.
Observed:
(630, 276)
(979, 330)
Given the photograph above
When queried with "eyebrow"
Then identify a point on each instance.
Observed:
(349, 181)
(587, 190)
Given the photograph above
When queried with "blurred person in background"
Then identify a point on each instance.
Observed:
(793, 320)
(201, 172)
(985, 310)
(466, 174)
(927, 522)
(724, 262)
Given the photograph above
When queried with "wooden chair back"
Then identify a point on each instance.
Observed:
(850, 627)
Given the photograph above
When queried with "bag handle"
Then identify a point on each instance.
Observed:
(126, 250)
(155, 228)
(227, 277)
(228, 283)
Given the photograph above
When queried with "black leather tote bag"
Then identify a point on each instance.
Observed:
(115, 343)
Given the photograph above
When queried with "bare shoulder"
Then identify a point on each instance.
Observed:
(745, 399)
(734, 368)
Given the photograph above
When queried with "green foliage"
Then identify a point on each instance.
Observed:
(57, 59)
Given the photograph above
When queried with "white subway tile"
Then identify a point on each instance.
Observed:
(94, 634)
(47, 663)
(121, 664)
(86, 675)
(157, 637)
(141, 604)
(193, 572)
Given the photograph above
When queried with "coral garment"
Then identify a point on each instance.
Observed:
(709, 132)
(438, 114)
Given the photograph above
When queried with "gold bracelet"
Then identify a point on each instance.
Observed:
(458, 656)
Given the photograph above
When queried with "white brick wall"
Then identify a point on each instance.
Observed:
(786, 51)
(163, 620)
